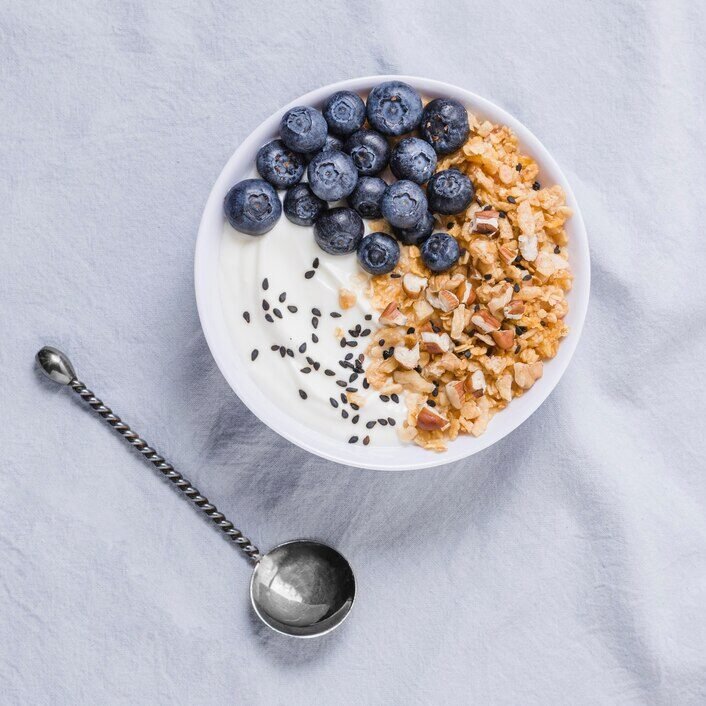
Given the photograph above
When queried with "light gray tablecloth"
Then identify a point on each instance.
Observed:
(565, 565)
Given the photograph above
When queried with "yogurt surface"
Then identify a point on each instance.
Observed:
(282, 257)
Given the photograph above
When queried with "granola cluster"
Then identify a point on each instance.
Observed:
(462, 344)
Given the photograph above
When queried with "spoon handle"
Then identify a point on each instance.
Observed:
(57, 367)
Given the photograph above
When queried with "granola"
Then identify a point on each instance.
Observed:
(462, 344)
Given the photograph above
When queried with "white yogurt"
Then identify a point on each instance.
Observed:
(283, 256)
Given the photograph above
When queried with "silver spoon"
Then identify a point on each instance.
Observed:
(301, 588)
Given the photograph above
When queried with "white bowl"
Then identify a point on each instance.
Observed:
(407, 456)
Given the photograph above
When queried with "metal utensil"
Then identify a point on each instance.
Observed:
(301, 588)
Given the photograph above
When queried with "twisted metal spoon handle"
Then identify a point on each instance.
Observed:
(57, 367)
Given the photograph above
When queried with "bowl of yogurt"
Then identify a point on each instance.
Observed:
(288, 325)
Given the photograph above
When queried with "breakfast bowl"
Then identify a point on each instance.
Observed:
(295, 289)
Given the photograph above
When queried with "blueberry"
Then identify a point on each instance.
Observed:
(413, 159)
(367, 195)
(279, 165)
(403, 204)
(444, 125)
(332, 143)
(394, 108)
(338, 231)
(418, 233)
(439, 252)
(252, 206)
(344, 112)
(369, 151)
(303, 207)
(303, 129)
(332, 175)
(449, 191)
(378, 253)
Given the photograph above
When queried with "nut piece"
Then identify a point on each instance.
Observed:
(392, 316)
(423, 311)
(436, 342)
(455, 393)
(465, 293)
(514, 310)
(412, 381)
(528, 246)
(346, 298)
(498, 302)
(485, 222)
(448, 301)
(429, 420)
(485, 321)
(506, 254)
(504, 339)
(526, 374)
(458, 322)
(413, 284)
(407, 357)
(475, 383)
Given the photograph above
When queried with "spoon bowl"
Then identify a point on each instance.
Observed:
(302, 588)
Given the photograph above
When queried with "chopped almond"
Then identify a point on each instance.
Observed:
(502, 296)
(465, 293)
(429, 420)
(423, 311)
(407, 357)
(485, 222)
(514, 309)
(526, 374)
(436, 342)
(504, 339)
(485, 321)
(413, 381)
(458, 322)
(455, 393)
(392, 316)
(448, 301)
(413, 284)
(506, 254)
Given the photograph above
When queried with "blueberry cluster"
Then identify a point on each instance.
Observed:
(343, 158)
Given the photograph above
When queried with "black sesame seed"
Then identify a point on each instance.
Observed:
(467, 354)
(344, 414)
(449, 225)
(246, 316)
(282, 297)
(385, 398)
(366, 384)
(365, 332)
(511, 199)
(343, 343)
(487, 277)
(435, 328)
(353, 440)
(382, 422)
(515, 288)
(366, 441)
(316, 312)
(341, 383)
(282, 351)
(265, 304)
(488, 208)
(368, 317)
(290, 352)
(269, 318)
(385, 355)
(353, 332)
(435, 391)
(265, 283)
(355, 406)
(395, 398)
(395, 275)
(302, 394)
(254, 354)
(353, 344)
(349, 356)
(520, 330)
(391, 421)
(557, 250)
(277, 313)
(302, 348)
(370, 425)
(527, 278)
(518, 167)
(381, 342)
(353, 377)
(333, 401)
(502, 214)
(508, 279)
(418, 368)
(314, 338)
(351, 389)
(315, 264)
(293, 309)
(355, 419)
(305, 370)
(315, 322)
(476, 307)
(344, 399)
(542, 323)
(536, 186)
(517, 348)
(274, 348)
(335, 315)
(329, 372)
(410, 330)
(309, 360)
(431, 403)
(309, 274)
(317, 366)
